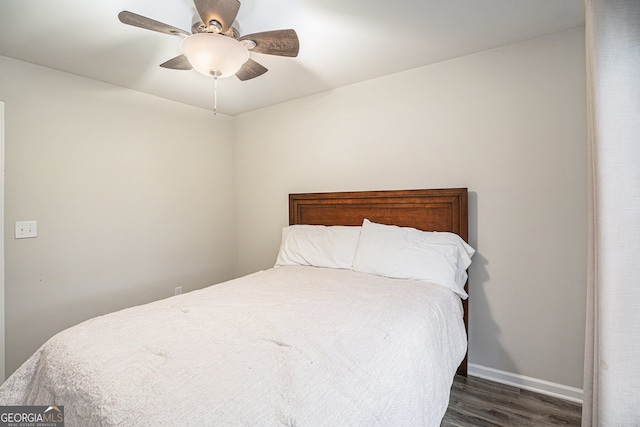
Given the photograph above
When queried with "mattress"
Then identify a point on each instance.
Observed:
(295, 345)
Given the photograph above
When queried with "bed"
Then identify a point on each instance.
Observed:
(292, 345)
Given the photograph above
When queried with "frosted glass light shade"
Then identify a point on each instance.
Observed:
(214, 53)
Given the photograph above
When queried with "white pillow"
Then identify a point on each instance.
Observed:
(465, 251)
(408, 253)
(318, 246)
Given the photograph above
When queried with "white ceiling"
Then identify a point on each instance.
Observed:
(341, 41)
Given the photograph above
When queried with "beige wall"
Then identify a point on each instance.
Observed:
(510, 125)
(132, 194)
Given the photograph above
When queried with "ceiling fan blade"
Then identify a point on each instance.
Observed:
(251, 69)
(180, 62)
(277, 42)
(140, 21)
(223, 11)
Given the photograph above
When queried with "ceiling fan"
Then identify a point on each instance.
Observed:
(214, 47)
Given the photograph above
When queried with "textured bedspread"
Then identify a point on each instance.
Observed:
(299, 346)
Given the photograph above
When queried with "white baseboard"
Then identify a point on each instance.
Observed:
(526, 383)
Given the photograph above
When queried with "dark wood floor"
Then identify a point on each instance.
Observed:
(477, 402)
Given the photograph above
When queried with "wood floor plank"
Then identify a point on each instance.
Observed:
(477, 402)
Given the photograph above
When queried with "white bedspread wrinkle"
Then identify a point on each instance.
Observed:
(292, 346)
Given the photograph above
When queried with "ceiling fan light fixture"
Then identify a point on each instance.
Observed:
(214, 54)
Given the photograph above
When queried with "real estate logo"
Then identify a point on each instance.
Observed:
(31, 416)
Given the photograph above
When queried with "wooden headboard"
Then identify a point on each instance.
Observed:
(428, 210)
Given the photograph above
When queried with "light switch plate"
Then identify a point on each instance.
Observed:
(26, 229)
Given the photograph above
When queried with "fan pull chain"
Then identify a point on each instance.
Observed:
(215, 95)
(215, 75)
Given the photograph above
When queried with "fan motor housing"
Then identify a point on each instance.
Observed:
(214, 27)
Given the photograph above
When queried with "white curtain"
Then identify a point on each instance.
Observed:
(612, 357)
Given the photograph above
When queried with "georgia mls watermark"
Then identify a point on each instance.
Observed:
(31, 416)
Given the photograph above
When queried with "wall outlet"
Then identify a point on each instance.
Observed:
(177, 290)
(26, 229)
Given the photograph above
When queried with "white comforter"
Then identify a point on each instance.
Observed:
(299, 346)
